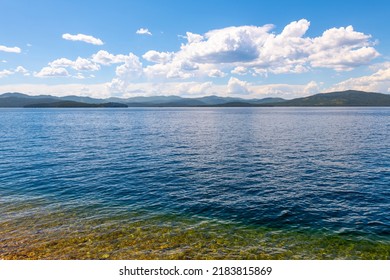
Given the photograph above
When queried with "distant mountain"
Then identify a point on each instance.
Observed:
(217, 100)
(14, 94)
(163, 101)
(16, 99)
(154, 99)
(340, 98)
(268, 100)
(23, 100)
(83, 99)
(74, 104)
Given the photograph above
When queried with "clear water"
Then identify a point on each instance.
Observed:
(195, 183)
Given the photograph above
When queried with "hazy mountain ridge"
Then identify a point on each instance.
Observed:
(75, 104)
(341, 98)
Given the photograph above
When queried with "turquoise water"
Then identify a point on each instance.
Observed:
(195, 183)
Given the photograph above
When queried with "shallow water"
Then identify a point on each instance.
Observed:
(195, 183)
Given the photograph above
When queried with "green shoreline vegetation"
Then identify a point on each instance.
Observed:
(77, 235)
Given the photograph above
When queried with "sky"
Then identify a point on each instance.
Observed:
(248, 49)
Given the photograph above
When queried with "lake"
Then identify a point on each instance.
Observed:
(195, 183)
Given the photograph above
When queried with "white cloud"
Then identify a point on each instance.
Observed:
(106, 58)
(340, 37)
(5, 73)
(79, 76)
(125, 73)
(19, 70)
(143, 31)
(83, 38)
(83, 64)
(193, 38)
(295, 29)
(61, 62)
(52, 72)
(177, 69)
(198, 89)
(158, 57)
(227, 45)
(342, 49)
(379, 81)
(284, 52)
(311, 88)
(344, 58)
(132, 68)
(10, 49)
(239, 70)
(22, 70)
(80, 64)
(256, 50)
(216, 73)
(236, 86)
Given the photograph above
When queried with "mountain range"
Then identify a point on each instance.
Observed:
(340, 98)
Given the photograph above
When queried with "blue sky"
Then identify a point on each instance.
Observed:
(193, 48)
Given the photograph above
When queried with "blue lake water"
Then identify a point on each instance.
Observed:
(233, 173)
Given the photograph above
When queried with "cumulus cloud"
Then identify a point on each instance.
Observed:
(257, 50)
(227, 45)
(236, 86)
(158, 57)
(126, 73)
(83, 64)
(61, 62)
(143, 31)
(83, 38)
(10, 49)
(311, 88)
(177, 69)
(239, 70)
(106, 58)
(193, 38)
(379, 81)
(80, 64)
(342, 49)
(52, 72)
(216, 73)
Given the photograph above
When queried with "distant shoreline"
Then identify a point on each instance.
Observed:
(349, 98)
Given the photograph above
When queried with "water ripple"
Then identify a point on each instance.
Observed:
(319, 168)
